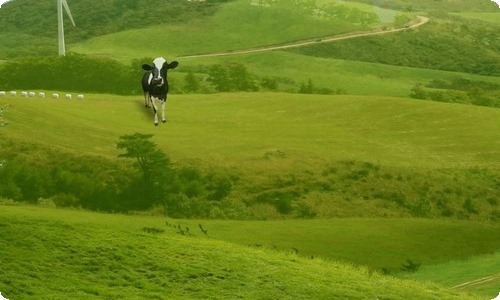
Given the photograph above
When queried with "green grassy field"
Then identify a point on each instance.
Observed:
(341, 156)
(476, 274)
(239, 129)
(54, 254)
(380, 244)
(352, 77)
(237, 25)
(488, 17)
(369, 154)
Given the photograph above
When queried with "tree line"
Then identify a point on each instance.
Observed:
(80, 73)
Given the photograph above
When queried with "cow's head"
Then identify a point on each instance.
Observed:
(159, 70)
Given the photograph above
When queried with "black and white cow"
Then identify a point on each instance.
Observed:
(155, 84)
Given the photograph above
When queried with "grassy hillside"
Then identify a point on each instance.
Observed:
(438, 5)
(380, 244)
(49, 254)
(477, 274)
(190, 26)
(39, 31)
(236, 25)
(433, 46)
(347, 76)
(240, 128)
(293, 154)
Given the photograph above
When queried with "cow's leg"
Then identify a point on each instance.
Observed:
(147, 99)
(155, 109)
(163, 118)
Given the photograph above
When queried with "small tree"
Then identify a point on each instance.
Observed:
(151, 162)
(219, 77)
(191, 84)
(307, 88)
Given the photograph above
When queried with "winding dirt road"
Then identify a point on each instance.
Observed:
(414, 24)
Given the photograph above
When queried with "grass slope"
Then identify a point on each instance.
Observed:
(376, 243)
(236, 25)
(351, 77)
(493, 17)
(53, 254)
(239, 129)
(478, 274)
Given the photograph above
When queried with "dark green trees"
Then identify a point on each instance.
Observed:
(153, 166)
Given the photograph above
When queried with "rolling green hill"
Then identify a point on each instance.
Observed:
(92, 20)
(91, 256)
(292, 154)
(381, 177)
(236, 25)
(477, 274)
(239, 128)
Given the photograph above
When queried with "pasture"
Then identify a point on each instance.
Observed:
(94, 256)
(236, 25)
(347, 76)
(341, 156)
(493, 17)
(238, 129)
(380, 244)
(384, 178)
(476, 274)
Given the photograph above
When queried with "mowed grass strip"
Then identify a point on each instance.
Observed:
(238, 129)
(56, 254)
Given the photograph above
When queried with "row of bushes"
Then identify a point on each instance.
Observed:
(81, 73)
(72, 73)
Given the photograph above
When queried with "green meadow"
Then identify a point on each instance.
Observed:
(334, 156)
(93, 256)
(477, 274)
(363, 192)
(236, 25)
(486, 17)
(350, 77)
(238, 129)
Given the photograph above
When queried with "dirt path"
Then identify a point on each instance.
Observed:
(476, 282)
(414, 24)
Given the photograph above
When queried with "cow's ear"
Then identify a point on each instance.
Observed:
(173, 65)
(146, 67)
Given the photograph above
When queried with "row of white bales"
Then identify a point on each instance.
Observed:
(40, 95)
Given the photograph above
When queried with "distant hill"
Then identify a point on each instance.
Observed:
(438, 5)
(33, 23)
(121, 29)
(39, 17)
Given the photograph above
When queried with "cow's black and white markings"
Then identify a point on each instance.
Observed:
(155, 85)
